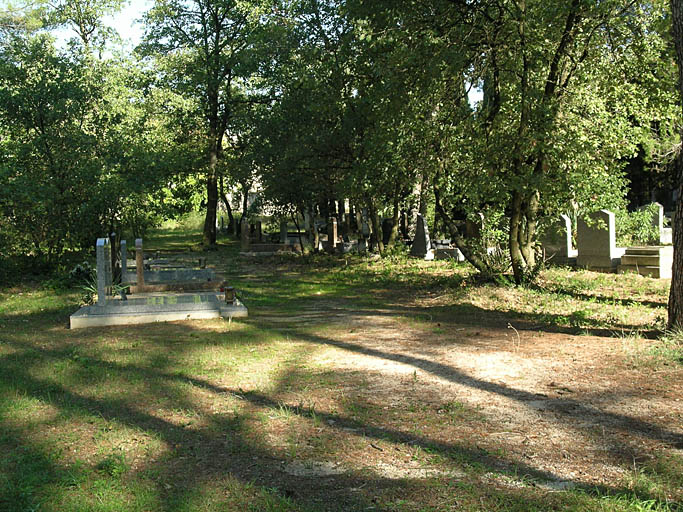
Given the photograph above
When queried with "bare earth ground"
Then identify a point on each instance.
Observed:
(557, 410)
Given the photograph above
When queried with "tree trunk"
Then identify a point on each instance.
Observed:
(394, 218)
(515, 228)
(457, 238)
(228, 208)
(376, 226)
(676, 292)
(313, 230)
(522, 234)
(424, 195)
(211, 209)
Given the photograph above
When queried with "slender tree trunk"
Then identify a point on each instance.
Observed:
(294, 215)
(211, 208)
(676, 292)
(394, 218)
(313, 230)
(424, 195)
(376, 225)
(228, 208)
(515, 227)
(245, 199)
(457, 238)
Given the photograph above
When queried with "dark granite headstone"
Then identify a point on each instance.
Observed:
(421, 243)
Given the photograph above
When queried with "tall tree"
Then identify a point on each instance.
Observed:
(676, 292)
(206, 50)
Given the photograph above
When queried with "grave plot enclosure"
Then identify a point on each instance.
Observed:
(198, 298)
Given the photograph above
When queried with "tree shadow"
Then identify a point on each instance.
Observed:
(228, 446)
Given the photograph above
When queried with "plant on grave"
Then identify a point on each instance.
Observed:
(88, 290)
(636, 228)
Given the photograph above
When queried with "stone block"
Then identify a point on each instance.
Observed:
(596, 242)
(157, 308)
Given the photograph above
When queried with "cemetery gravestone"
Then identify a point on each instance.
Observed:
(421, 244)
(332, 234)
(104, 276)
(596, 242)
(124, 259)
(283, 232)
(244, 235)
(387, 226)
(557, 242)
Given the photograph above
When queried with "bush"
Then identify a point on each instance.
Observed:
(636, 228)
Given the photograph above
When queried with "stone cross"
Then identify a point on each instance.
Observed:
(421, 242)
(104, 277)
(139, 262)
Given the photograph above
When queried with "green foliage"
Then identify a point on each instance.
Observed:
(636, 228)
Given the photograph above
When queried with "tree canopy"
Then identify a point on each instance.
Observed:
(510, 111)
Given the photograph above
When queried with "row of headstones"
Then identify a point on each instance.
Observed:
(595, 240)
(105, 276)
(334, 241)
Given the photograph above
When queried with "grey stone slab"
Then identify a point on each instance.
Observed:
(283, 232)
(152, 309)
(104, 273)
(557, 242)
(651, 261)
(124, 256)
(449, 253)
(244, 234)
(596, 242)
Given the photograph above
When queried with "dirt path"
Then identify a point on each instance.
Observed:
(575, 410)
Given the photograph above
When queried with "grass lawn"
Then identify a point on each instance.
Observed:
(395, 385)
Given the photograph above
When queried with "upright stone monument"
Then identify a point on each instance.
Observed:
(403, 224)
(139, 262)
(332, 234)
(387, 226)
(557, 242)
(104, 273)
(421, 243)
(283, 231)
(124, 259)
(244, 235)
(596, 243)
